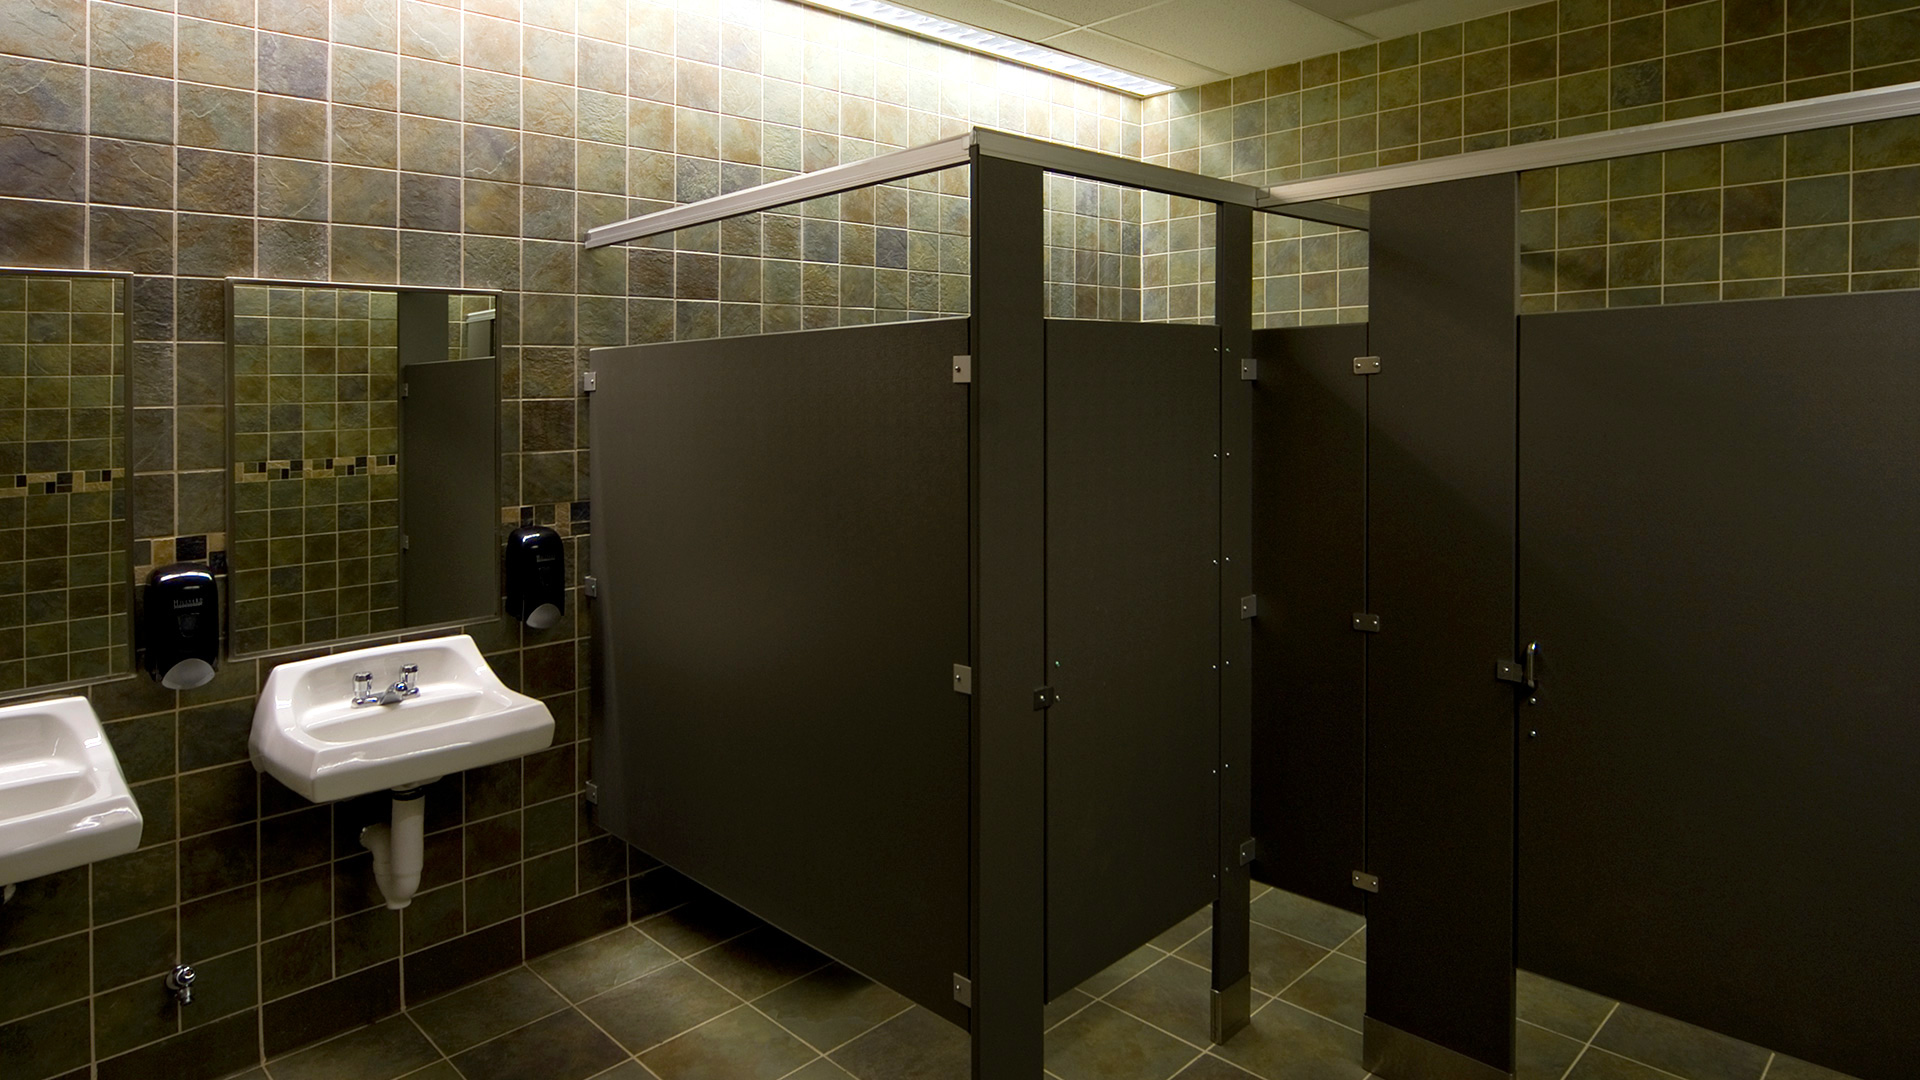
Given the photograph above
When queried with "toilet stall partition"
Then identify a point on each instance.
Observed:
(925, 641)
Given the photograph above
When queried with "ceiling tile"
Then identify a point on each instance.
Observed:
(1345, 10)
(1010, 20)
(1127, 56)
(1426, 15)
(1082, 12)
(1235, 37)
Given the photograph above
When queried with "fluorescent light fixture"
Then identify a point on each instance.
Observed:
(984, 41)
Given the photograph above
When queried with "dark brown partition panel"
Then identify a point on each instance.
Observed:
(1132, 607)
(1720, 560)
(449, 419)
(1440, 576)
(1310, 573)
(780, 535)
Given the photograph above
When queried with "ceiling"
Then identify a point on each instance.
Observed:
(1189, 42)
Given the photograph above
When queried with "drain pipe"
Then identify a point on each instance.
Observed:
(398, 849)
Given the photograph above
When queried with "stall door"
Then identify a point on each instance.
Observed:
(1720, 561)
(1133, 535)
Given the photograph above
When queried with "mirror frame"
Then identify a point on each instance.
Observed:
(124, 361)
(232, 599)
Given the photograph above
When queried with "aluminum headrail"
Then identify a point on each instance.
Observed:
(1854, 107)
(946, 154)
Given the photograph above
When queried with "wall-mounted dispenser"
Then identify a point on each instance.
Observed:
(536, 575)
(180, 626)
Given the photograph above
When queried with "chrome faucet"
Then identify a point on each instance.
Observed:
(408, 686)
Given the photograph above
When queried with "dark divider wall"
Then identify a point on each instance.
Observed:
(783, 557)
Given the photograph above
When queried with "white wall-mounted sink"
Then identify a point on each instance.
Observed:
(309, 735)
(63, 799)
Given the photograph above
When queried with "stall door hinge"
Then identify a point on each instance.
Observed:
(1366, 365)
(590, 585)
(1525, 673)
(1249, 606)
(589, 382)
(1366, 622)
(963, 369)
(962, 679)
(593, 793)
(1365, 882)
(1044, 697)
(1249, 369)
(1248, 851)
(963, 990)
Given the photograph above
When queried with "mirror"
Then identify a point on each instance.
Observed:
(364, 462)
(66, 572)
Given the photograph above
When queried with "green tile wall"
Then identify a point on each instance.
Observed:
(1574, 67)
(63, 480)
(400, 142)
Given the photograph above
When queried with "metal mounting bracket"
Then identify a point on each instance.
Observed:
(1249, 606)
(589, 381)
(1366, 622)
(962, 679)
(1248, 851)
(1366, 365)
(1249, 369)
(593, 793)
(963, 369)
(1365, 882)
(1044, 697)
(963, 990)
(590, 585)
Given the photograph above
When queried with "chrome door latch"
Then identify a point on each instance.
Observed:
(1525, 673)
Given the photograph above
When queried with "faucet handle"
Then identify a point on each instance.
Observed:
(409, 678)
(362, 684)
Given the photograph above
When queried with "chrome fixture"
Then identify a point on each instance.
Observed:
(408, 686)
(180, 984)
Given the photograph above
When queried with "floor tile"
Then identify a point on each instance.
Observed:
(657, 1006)
(1283, 1042)
(1122, 969)
(1356, 945)
(700, 923)
(1540, 1054)
(1336, 988)
(741, 1045)
(1682, 1049)
(1786, 1068)
(1213, 1068)
(601, 963)
(916, 1045)
(1104, 1043)
(1171, 994)
(627, 1070)
(758, 962)
(1319, 923)
(1556, 1006)
(822, 1069)
(1275, 959)
(832, 1006)
(1600, 1065)
(564, 1046)
(439, 1070)
(381, 1051)
(1064, 1006)
(479, 1012)
(1184, 931)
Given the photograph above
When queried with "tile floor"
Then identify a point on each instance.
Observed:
(706, 992)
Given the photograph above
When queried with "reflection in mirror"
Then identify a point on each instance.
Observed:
(364, 463)
(65, 567)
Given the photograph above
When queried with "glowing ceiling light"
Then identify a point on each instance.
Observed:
(984, 41)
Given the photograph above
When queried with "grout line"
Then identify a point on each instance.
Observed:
(1588, 1045)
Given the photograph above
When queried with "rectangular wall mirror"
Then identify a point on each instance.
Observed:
(65, 545)
(364, 464)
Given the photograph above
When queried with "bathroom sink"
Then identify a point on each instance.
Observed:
(63, 800)
(309, 734)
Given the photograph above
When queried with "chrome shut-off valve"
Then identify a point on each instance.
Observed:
(180, 984)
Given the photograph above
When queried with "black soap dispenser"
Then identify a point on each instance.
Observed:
(536, 575)
(180, 626)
